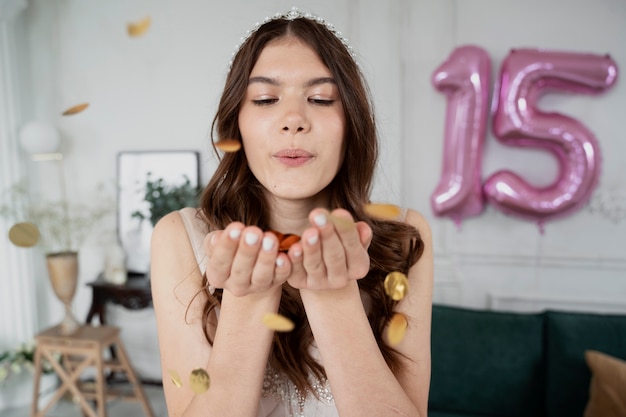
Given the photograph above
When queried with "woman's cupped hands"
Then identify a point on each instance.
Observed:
(331, 252)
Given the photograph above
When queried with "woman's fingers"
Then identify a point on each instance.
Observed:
(220, 248)
(244, 260)
(334, 251)
(343, 249)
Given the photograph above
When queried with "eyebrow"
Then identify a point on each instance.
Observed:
(273, 81)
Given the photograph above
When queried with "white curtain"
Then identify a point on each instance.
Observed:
(18, 314)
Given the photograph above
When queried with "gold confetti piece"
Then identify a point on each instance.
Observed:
(176, 380)
(397, 329)
(139, 28)
(199, 381)
(278, 322)
(383, 211)
(396, 285)
(24, 235)
(75, 109)
(228, 145)
(341, 223)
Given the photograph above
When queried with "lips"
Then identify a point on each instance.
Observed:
(293, 157)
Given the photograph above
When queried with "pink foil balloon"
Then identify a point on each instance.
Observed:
(526, 74)
(464, 78)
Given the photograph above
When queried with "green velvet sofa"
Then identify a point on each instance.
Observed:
(500, 364)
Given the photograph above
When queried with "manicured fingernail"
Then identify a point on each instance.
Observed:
(320, 220)
(312, 239)
(268, 243)
(280, 262)
(234, 234)
(297, 253)
(251, 238)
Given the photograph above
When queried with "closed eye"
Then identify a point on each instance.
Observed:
(321, 102)
(264, 101)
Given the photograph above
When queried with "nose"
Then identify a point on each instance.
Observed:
(295, 121)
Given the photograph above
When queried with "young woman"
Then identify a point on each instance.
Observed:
(296, 101)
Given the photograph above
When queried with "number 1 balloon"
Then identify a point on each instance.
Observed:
(464, 78)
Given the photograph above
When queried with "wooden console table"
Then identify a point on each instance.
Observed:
(134, 295)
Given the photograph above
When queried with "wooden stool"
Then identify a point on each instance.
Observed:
(71, 355)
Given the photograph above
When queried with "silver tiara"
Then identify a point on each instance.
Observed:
(293, 14)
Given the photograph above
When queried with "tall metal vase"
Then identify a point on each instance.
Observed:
(63, 273)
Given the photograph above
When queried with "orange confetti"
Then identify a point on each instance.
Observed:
(397, 329)
(228, 145)
(139, 28)
(285, 241)
(383, 211)
(278, 322)
(75, 109)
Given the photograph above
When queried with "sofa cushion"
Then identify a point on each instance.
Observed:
(486, 363)
(568, 336)
(607, 394)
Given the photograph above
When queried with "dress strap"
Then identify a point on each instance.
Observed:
(403, 213)
(197, 229)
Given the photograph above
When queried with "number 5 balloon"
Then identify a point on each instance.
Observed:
(526, 74)
(464, 78)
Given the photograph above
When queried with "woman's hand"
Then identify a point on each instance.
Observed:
(244, 260)
(331, 253)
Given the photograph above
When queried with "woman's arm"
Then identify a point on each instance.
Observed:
(237, 360)
(361, 381)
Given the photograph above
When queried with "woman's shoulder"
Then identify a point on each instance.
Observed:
(168, 227)
(417, 220)
(182, 228)
(173, 258)
(180, 223)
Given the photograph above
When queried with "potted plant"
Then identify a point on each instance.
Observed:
(16, 361)
(60, 228)
(164, 198)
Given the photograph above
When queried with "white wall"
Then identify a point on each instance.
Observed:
(581, 259)
(159, 91)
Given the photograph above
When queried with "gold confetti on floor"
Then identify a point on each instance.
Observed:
(228, 145)
(396, 329)
(24, 234)
(139, 28)
(383, 211)
(278, 322)
(396, 285)
(176, 380)
(75, 109)
(199, 381)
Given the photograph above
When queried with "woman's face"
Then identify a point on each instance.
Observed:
(292, 121)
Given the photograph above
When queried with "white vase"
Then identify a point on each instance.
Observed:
(115, 265)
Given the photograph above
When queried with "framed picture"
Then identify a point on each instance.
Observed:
(151, 184)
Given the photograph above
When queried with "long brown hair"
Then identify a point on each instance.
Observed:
(234, 194)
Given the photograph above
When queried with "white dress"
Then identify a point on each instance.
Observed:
(280, 398)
